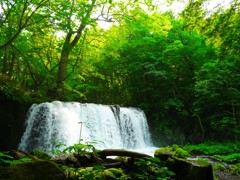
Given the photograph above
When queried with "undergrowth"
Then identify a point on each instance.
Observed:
(212, 148)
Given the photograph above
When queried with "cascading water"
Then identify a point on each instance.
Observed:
(109, 126)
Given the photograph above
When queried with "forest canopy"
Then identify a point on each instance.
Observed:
(182, 69)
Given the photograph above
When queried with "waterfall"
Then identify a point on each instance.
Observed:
(108, 126)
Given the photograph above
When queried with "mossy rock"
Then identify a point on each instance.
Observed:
(174, 151)
(37, 170)
(17, 154)
(163, 153)
(40, 154)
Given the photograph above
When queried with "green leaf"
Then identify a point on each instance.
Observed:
(110, 174)
(2, 155)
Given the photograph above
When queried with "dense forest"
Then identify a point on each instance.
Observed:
(182, 69)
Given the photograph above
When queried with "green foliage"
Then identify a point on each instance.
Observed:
(150, 168)
(79, 148)
(58, 147)
(213, 148)
(174, 151)
(219, 167)
(175, 69)
(232, 158)
(14, 91)
(6, 160)
(96, 172)
(180, 153)
(236, 169)
(2, 155)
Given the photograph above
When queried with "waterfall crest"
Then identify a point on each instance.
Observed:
(109, 126)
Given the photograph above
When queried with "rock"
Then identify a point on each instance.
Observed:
(174, 158)
(40, 154)
(73, 159)
(190, 170)
(37, 170)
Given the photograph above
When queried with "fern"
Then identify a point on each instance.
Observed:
(6, 160)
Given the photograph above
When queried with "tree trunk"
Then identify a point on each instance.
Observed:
(12, 63)
(5, 61)
(69, 44)
(62, 67)
(64, 60)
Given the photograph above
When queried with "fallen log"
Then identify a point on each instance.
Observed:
(119, 152)
(112, 165)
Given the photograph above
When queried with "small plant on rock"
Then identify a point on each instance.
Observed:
(6, 160)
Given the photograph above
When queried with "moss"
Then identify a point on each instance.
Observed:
(174, 151)
(37, 170)
(200, 162)
(40, 154)
(166, 150)
(181, 153)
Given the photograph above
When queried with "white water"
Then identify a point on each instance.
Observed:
(110, 126)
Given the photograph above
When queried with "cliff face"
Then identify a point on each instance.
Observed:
(12, 118)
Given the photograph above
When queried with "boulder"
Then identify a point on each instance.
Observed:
(37, 170)
(190, 170)
(184, 169)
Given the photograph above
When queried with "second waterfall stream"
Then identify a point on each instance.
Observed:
(68, 123)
